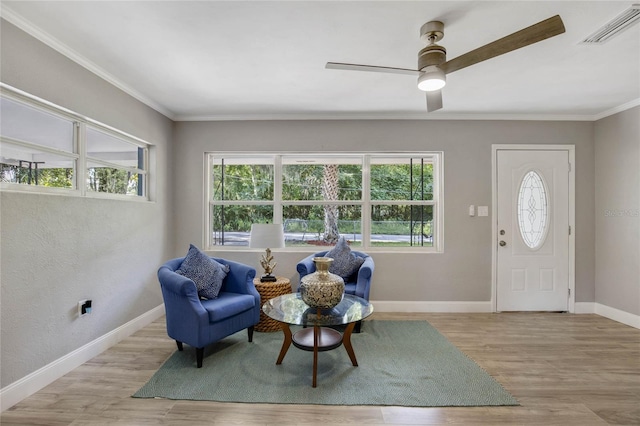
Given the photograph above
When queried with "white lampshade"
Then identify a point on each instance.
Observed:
(266, 235)
(433, 78)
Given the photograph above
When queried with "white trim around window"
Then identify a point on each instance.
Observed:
(228, 215)
(40, 138)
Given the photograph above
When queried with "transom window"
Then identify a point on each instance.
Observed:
(47, 148)
(388, 201)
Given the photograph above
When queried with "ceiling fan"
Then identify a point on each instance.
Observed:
(432, 63)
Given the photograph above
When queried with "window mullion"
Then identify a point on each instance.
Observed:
(43, 148)
(438, 211)
(403, 202)
(208, 191)
(322, 202)
(277, 189)
(80, 136)
(116, 166)
(145, 189)
(241, 203)
(366, 202)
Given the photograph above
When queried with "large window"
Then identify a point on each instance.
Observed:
(387, 201)
(46, 148)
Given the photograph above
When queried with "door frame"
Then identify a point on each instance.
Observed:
(571, 149)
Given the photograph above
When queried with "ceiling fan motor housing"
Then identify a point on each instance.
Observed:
(431, 55)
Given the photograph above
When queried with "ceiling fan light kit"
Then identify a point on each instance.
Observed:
(432, 61)
(433, 78)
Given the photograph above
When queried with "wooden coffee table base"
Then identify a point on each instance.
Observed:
(317, 339)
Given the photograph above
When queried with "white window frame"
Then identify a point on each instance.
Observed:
(79, 154)
(437, 159)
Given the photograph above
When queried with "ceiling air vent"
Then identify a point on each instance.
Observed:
(618, 24)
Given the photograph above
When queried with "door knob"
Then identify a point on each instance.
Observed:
(502, 244)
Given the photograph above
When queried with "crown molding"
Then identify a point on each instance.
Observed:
(615, 110)
(385, 116)
(49, 40)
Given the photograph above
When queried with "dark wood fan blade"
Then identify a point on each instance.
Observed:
(434, 100)
(372, 68)
(537, 32)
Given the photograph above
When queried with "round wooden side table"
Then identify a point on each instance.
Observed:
(267, 291)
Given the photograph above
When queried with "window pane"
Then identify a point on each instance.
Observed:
(325, 179)
(31, 166)
(401, 179)
(402, 226)
(34, 125)
(113, 181)
(107, 147)
(314, 225)
(232, 224)
(246, 182)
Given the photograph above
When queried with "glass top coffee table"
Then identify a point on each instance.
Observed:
(289, 309)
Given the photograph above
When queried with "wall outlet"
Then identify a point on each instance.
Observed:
(84, 307)
(483, 210)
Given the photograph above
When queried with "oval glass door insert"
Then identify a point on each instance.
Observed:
(533, 209)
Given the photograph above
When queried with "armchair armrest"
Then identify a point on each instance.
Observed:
(178, 285)
(182, 305)
(363, 285)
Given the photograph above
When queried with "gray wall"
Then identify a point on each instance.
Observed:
(617, 191)
(463, 271)
(57, 250)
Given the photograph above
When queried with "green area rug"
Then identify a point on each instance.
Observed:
(402, 363)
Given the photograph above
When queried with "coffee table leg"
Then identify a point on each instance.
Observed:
(286, 343)
(346, 341)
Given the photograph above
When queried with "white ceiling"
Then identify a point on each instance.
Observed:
(265, 60)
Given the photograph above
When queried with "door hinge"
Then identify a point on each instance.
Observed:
(569, 292)
(569, 229)
(569, 166)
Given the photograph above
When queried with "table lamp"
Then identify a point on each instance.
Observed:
(267, 235)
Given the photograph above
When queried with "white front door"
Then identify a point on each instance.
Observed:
(532, 269)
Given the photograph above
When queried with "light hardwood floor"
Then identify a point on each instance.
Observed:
(564, 370)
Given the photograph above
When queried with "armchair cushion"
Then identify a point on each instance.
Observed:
(227, 305)
(345, 263)
(206, 273)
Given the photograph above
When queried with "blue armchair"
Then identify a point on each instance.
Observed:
(199, 323)
(359, 283)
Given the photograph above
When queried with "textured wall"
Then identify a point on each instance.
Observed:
(463, 271)
(56, 250)
(617, 171)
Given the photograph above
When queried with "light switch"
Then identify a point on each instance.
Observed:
(472, 210)
(483, 210)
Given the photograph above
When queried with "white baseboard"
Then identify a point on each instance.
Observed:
(623, 317)
(398, 306)
(618, 315)
(580, 308)
(30, 384)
